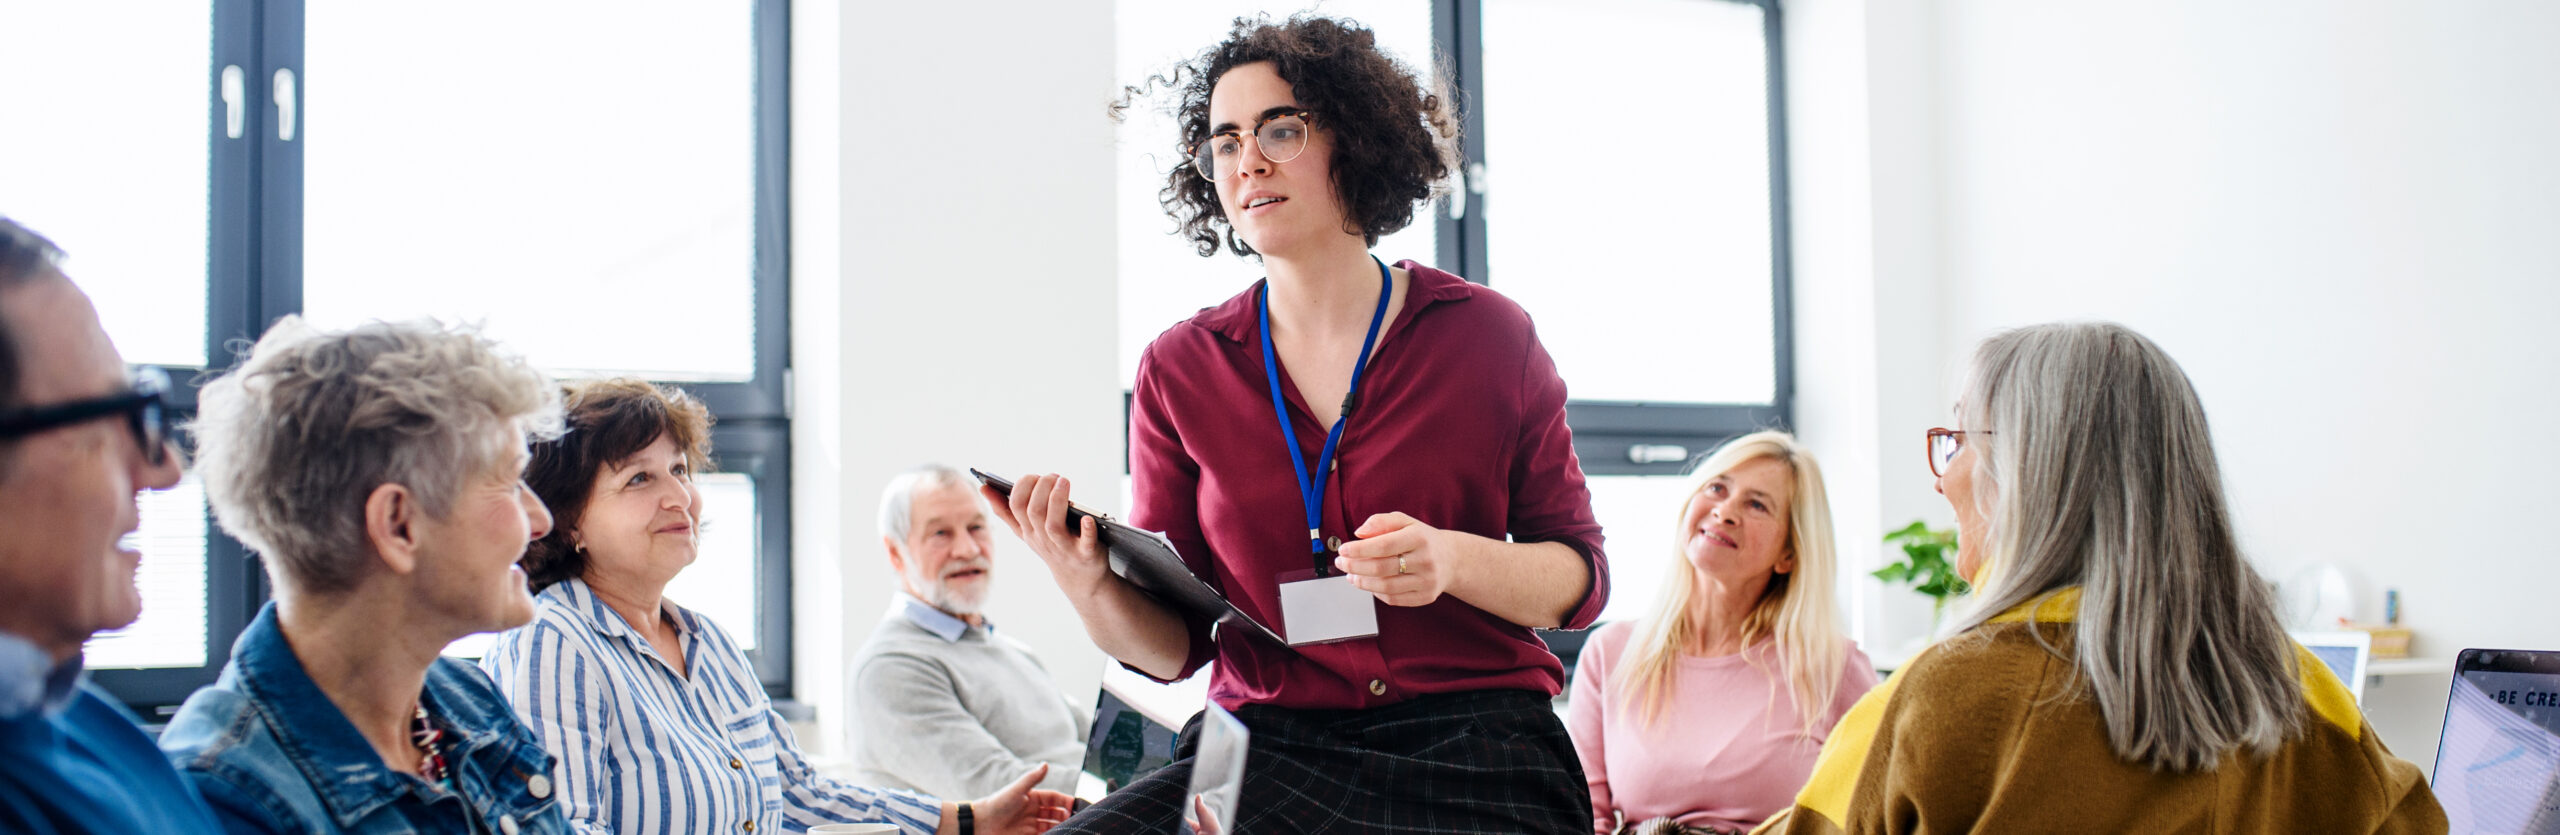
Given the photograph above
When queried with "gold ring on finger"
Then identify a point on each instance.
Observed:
(1401, 568)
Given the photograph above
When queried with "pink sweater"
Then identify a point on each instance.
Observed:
(1726, 753)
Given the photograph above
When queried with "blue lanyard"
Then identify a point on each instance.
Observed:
(1312, 489)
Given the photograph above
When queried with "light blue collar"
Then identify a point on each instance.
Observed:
(30, 681)
(942, 624)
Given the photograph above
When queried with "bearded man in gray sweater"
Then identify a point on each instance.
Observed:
(942, 704)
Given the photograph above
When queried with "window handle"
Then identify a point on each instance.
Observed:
(1656, 453)
(285, 105)
(1458, 196)
(1470, 183)
(235, 100)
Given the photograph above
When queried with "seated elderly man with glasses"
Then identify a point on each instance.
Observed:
(79, 440)
(379, 473)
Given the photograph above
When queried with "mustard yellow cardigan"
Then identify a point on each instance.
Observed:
(1977, 735)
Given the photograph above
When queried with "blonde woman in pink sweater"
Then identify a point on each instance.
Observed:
(1705, 715)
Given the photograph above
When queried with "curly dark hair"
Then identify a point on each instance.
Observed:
(1393, 136)
(607, 422)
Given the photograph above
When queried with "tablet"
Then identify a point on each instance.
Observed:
(1217, 774)
(1148, 561)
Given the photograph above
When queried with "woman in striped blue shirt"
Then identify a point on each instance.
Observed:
(659, 724)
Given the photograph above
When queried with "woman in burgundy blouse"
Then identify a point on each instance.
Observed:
(1451, 495)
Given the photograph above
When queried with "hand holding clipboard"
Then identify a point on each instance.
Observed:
(1147, 560)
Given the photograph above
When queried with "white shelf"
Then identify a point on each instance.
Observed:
(2408, 666)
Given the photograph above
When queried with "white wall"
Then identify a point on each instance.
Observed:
(952, 296)
(2337, 215)
(1862, 111)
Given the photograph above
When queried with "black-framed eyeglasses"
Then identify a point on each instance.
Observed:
(1943, 444)
(143, 407)
(1280, 136)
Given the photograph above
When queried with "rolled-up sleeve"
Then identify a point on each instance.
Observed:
(1164, 484)
(1549, 500)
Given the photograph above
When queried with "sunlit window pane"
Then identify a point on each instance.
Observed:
(171, 631)
(104, 151)
(578, 176)
(1641, 515)
(1162, 279)
(721, 583)
(1629, 210)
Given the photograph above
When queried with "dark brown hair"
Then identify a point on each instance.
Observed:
(607, 422)
(24, 255)
(1392, 137)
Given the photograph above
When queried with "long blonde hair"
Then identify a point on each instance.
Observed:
(1798, 609)
(2094, 468)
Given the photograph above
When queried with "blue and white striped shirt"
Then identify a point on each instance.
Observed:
(643, 750)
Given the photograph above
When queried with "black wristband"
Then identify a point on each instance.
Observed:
(968, 821)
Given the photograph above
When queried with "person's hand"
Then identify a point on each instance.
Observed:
(1037, 512)
(1019, 809)
(1204, 821)
(1401, 560)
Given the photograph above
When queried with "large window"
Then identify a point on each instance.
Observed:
(599, 188)
(1625, 181)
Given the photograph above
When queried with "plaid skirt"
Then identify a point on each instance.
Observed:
(1494, 761)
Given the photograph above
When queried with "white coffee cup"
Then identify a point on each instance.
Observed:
(854, 829)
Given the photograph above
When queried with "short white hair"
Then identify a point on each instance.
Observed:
(897, 501)
(292, 442)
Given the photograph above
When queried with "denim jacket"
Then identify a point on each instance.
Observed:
(271, 753)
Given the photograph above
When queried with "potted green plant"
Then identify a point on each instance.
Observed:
(1928, 564)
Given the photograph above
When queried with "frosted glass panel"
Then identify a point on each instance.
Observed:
(171, 631)
(104, 151)
(1628, 146)
(1162, 279)
(578, 176)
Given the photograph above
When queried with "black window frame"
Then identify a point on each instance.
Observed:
(254, 278)
(1605, 433)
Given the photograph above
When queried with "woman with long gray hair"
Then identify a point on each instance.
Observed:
(2122, 667)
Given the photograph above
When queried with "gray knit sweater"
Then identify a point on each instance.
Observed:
(956, 711)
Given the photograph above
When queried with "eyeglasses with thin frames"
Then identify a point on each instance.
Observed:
(1943, 445)
(143, 406)
(1280, 137)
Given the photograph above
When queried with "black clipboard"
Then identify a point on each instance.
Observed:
(1147, 560)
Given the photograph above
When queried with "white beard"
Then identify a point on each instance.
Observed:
(941, 595)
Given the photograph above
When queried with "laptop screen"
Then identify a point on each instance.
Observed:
(1125, 744)
(2345, 653)
(2500, 756)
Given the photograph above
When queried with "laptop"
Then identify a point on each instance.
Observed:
(2498, 764)
(1125, 741)
(2347, 653)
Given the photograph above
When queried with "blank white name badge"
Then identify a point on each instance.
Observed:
(1321, 610)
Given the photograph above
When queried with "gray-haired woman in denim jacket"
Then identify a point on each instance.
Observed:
(379, 473)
